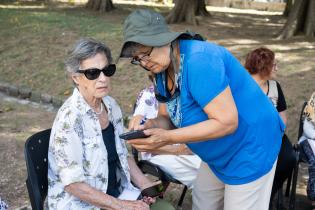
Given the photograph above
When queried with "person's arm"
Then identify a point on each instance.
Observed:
(137, 177)
(161, 121)
(223, 120)
(99, 199)
(175, 149)
(281, 105)
(284, 117)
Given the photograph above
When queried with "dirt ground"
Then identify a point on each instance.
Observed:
(20, 119)
(238, 30)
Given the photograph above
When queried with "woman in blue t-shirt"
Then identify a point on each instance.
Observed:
(210, 102)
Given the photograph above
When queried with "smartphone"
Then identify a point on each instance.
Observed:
(135, 134)
(153, 191)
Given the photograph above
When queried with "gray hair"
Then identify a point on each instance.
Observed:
(83, 49)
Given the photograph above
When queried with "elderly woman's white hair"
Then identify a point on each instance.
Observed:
(83, 49)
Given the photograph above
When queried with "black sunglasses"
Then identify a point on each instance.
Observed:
(164, 99)
(168, 97)
(94, 73)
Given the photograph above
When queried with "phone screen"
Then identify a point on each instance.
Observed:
(153, 191)
(135, 134)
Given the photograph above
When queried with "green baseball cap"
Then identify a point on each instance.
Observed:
(148, 28)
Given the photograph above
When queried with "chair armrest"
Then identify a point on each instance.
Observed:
(150, 168)
(135, 154)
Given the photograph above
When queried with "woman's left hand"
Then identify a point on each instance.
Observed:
(149, 200)
(157, 138)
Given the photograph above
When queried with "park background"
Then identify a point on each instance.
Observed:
(35, 37)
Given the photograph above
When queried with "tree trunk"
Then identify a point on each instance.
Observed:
(301, 19)
(100, 5)
(201, 9)
(310, 20)
(106, 6)
(183, 11)
(288, 7)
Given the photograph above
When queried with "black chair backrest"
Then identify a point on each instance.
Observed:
(301, 121)
(36, 157)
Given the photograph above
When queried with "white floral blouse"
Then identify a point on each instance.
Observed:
(77, 152)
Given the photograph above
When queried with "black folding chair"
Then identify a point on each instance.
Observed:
(284, 170)
(36, 157)
(299, 158)
(150, 168)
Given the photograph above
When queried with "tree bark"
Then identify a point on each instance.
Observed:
(288, 7)
(183, 11)
(310, 20)
(100, 5)
(201, 9)
(301, 20)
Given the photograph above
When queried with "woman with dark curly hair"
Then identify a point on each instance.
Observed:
(262, 65)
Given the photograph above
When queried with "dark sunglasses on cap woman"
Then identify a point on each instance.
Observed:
(94, 73)
(163, 95)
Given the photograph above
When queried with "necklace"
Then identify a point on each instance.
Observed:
(98, 113)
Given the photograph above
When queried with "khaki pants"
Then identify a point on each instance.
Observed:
(209, 193)
(161, 205)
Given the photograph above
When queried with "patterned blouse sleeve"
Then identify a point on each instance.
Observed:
(146, 104)
(66, 148)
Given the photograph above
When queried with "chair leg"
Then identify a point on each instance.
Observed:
(287, 191)
(293, 189)
(181, 199)
(280, 198)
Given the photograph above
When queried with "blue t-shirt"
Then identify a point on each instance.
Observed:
(247, 154)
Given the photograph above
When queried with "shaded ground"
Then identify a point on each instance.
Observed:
(35, 39)
(19, 121)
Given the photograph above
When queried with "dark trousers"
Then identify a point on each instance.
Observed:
(285, 165)
(309, 157)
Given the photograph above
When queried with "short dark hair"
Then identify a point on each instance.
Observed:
(260, 61)
(130, 48)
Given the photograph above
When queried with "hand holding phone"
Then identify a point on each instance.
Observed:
(153, 191)
(135, 134)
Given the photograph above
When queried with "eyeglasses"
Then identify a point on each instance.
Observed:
(94, 73)
(137, 61)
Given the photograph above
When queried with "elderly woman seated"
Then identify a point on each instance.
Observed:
(89, 167)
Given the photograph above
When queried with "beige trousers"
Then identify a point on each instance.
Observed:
(209, 193)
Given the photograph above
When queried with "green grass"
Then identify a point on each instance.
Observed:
(34, 44)
(35, 41)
